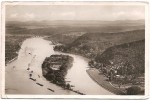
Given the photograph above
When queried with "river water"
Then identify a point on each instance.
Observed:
(31, 55)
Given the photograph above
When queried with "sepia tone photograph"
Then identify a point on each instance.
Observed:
(74, 48)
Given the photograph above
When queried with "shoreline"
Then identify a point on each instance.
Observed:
(68, 89)
(100, 79)
(11, 60)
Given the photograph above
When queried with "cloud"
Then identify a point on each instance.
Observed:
(29, 15)
(75, 12)
(14, 15)
(62, 15)
(128, 15)
(25, 17)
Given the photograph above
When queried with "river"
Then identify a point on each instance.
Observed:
(32, 53)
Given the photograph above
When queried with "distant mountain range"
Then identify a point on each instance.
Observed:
(58, 30)
(78, 23)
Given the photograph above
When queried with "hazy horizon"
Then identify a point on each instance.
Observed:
(74, 12)
(73, 20)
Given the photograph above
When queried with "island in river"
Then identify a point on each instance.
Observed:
(55, 67)
(32, 54)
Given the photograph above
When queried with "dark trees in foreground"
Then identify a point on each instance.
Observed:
(133, 90)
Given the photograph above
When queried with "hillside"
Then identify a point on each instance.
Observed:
(124, 66)
(91, 44)
(130, 55)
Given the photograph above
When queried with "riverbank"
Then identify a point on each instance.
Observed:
(18, 83)
(102, 81)
(77, 76)
(18, 80)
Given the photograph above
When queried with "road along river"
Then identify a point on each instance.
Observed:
(31, 55)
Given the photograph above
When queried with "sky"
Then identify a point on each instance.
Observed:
(74, 12)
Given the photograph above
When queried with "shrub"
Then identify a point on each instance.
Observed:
(133, 90)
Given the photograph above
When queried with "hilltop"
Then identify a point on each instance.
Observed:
(91, 44)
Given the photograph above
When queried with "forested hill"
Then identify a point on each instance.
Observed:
(129, 55)
(91, 44)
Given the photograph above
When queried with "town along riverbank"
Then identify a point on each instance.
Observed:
(123, 65)
(103, 81)
(116, 88)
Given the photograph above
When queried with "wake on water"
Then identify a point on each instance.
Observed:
(32, 54)
(27, 68)
(25, 73)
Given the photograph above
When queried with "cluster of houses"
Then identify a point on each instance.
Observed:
(118, 73)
